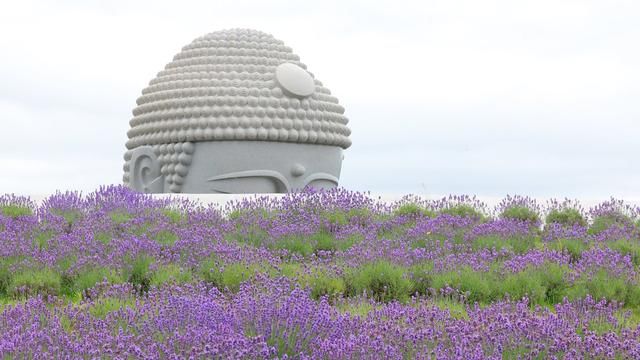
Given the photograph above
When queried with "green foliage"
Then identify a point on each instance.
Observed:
(566, 216)
(628, 317)
(421, 277)
(420, 242)
(89, 278)
(174, 215)
(336, 218)
(627, 247)
(15, 211)
(410, 209)
(290, 269)
(209, 269)
(602, 223)
(429, 240)
(521, 284)
(171, 274)
(260, 212)
(601, 326)
(307, 245)
(5, 279)
(284, 342)
(69, 216)
(139, 274)
(6, 275)
(395, 231)
(341, 217)
(323, 284)
(229, 276)
(166, 237)
(327, 242)
(518, 244)
(413, 210)
(521, 213)
(295, 244)
(477, 286)
(65, 263)
(324, 241)
(602, 285)
(362, 212)
(120, 217)
(235, 274)
(140, 229)
(30, 282)
(235, 214)
(520, 352)
(553, 278)
(104, 306)
(103, 237)
(632, 298)
(381, 280)
(385, 282)
(66, 324)
(251, 235)
(542, 285)
(359, 308)
(575, 247)
(347, 243)
(66, 278)
(463, 210)
(41, 240)
(457, 309)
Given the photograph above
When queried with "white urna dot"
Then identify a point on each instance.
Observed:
(294, 80)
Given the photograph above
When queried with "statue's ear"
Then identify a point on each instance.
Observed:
(144, 170)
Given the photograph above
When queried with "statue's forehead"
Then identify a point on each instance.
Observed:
(286, 158)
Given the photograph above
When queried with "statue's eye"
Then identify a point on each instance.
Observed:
(322, 184)
(252, 181)
(322, 181)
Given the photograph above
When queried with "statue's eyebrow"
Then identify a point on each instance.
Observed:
(274, 175)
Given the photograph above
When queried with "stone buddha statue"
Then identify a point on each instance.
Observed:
(235, 112)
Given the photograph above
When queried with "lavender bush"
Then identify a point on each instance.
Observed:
(317, 274)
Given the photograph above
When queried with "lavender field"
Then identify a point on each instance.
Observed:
(328, 275)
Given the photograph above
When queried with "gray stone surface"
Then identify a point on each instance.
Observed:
(235, 112)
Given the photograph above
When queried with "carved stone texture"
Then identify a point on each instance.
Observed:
(235, 112)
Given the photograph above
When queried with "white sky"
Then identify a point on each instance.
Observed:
(537, 97)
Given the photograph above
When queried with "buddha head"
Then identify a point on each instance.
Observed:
(235, 112)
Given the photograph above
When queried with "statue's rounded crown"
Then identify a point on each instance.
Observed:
(237, 84)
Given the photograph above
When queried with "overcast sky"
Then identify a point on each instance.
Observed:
(538, 98)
